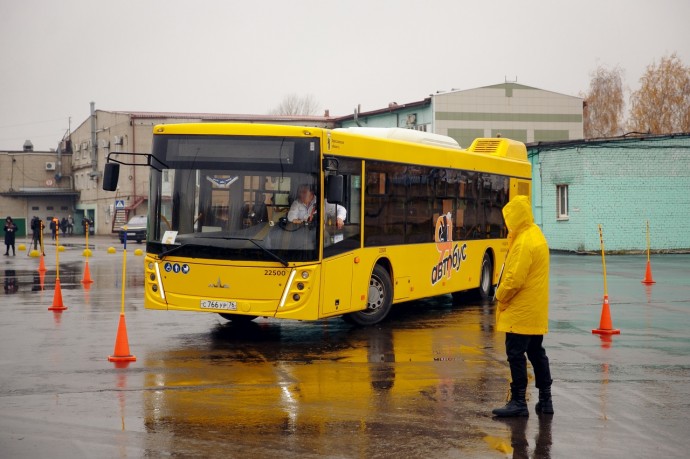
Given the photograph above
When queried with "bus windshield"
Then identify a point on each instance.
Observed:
(227, 197)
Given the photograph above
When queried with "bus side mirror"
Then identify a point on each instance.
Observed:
(334, 189)
(111, 174)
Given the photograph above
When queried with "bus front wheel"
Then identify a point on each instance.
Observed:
(379, 300)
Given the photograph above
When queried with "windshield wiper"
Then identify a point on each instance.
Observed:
(253, 241)
(176, 248)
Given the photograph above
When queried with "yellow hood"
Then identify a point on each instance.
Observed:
(518, 214)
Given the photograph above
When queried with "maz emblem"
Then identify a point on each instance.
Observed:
(219, 284)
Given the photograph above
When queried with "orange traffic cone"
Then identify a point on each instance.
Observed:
(648, 275)
(57, 298)
(87, 274)
(121, 353)
(605, 324)
(42, 265)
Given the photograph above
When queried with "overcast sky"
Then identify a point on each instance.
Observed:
(244, 56)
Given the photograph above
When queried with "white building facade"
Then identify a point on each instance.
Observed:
(510, 110)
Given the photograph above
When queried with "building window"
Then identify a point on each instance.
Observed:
(34, 208)
(562, 202)
(49, 208)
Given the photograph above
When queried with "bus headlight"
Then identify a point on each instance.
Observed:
(295, 297)
(305, 274)
(300, 286)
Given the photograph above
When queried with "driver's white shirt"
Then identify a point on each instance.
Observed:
(301, 211)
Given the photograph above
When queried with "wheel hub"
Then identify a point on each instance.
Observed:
(376, 295)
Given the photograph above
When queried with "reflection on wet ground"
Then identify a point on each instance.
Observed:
(314, 387)
(421, 385)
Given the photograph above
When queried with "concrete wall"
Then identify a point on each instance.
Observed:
(114, 132)
(620, 184)
(27, 188)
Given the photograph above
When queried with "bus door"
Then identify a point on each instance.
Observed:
(341, 239)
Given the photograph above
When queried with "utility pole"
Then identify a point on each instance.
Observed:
(94, 144)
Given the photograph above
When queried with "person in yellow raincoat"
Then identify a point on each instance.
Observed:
(522, 310)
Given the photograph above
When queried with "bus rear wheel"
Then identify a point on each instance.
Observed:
(237, 318)
(379, 300)
(484, 291)
(486, 280)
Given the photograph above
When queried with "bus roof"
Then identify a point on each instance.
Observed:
(406, 135)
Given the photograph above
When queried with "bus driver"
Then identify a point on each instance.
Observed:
(304, 207)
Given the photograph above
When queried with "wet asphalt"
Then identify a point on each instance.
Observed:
(420, 385)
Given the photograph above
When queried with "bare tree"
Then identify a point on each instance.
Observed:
(293, 104)
(662, 104)
(603, 111)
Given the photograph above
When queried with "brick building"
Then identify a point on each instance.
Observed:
(620, 183)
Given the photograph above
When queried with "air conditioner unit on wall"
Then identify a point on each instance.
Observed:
(50, 166)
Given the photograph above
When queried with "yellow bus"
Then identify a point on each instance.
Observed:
(250, 220)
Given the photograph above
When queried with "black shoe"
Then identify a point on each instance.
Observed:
(545, 404)
(512, 409)
(517, 406)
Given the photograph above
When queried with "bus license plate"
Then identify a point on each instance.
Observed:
(213, 304)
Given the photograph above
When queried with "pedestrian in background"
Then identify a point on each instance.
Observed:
(86, 221)
(35, 232)
(53, 227)
(523, 308)
(63, 226)
(10, 230)
(70, 225)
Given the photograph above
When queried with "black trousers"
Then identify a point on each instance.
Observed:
(516, 347)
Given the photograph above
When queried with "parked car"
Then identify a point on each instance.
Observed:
(136, 229)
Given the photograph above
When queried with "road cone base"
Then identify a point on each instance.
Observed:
(601, 331)
(57, 308)
(646, 282)
(122, 358)
(85, 281)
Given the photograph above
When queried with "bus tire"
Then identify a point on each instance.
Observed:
(379, 299)
(486, 279)
(237, 318)
(485, 289)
